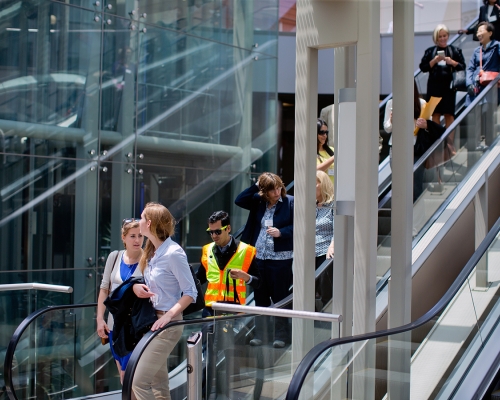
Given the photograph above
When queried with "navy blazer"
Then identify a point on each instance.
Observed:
(249, 199)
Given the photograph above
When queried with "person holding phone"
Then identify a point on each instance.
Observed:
(440, 61)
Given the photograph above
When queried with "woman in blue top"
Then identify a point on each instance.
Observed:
(120, 266)
(171, 288)
(490, 50)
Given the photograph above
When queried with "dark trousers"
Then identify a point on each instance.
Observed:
(324, 286)
(276, 276)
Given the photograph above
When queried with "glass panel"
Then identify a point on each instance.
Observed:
(237, 366)
(45, 81)
(442, 351)
(443, 171)
(61, 355)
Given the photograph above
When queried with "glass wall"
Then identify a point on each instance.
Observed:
(107, 105)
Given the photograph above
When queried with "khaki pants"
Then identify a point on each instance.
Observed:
(151, 375)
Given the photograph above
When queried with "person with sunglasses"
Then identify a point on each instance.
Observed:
(269, 228)
(120, 266)
(222, 255)
(325, 156)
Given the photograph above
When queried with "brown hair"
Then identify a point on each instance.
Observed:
(268, 181)
(127, 227)
(162, 227)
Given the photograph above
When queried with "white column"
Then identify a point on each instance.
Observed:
(402, 198)
(365, 216)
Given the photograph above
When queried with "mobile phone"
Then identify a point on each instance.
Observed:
(440, 53)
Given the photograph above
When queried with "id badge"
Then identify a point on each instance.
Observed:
(331, 172)
(268, 223)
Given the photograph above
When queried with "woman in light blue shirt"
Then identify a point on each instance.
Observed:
(171, 288)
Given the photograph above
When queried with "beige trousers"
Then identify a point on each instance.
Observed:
(151, 375)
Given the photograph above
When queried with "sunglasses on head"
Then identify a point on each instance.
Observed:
(216, 231)
(128, 221)
(323, 133)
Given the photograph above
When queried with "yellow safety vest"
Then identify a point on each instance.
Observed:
(216, 288)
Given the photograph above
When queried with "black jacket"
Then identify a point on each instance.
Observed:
(249, 199)
(133, 316)
(483, 16)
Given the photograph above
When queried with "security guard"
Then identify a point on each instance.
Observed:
(222, 255)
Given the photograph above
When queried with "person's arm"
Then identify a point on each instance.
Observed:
(325, 164)
(459, 58)
(286, 232)
(102, 327)
(428, 61)
(245, 198)
(471, 68)
(251, 277)
(178, 307)
(331, 250)
(388, 117)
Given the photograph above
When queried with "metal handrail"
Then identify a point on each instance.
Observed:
(36, 286)
(276, 312)
(308, 361)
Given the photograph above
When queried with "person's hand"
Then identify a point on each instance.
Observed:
(330, 251)
(422, 123)
(497, 6)
(439, 58)
(450, 61)
(102, 328)
(142, 291)
(471, 90)
(274, 232)
(464, 30)
(390, 117)
(239, 274)
(160, 323)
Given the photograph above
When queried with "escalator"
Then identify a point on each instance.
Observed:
(55, 353)
(451, 352)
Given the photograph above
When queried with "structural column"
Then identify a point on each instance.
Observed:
(402, 198)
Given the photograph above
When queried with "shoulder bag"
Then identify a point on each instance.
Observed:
(200, 300)
(458, 78)
(105, 341)
(485, 77)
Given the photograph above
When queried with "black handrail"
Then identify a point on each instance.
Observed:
(308, 361)
(14, 340)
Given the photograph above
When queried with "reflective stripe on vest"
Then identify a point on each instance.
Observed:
(216, 288)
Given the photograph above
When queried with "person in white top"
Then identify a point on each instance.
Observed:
(120, 266)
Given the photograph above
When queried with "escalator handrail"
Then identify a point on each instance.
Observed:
(307, 362)
(16, 337)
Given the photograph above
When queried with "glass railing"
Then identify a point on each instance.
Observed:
(428, 357)
(442, 170)
(232, 367)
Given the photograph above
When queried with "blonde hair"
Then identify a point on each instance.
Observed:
(326, 186)
(439, 28)
(162, 227)
(127, 227)
(269, 181)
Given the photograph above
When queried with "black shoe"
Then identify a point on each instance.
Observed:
(255, 342)
(278, 344)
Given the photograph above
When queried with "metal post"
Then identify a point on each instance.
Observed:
(194, 366)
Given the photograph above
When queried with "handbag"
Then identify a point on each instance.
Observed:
(200, 300)
(485, 77)
(458, 81)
